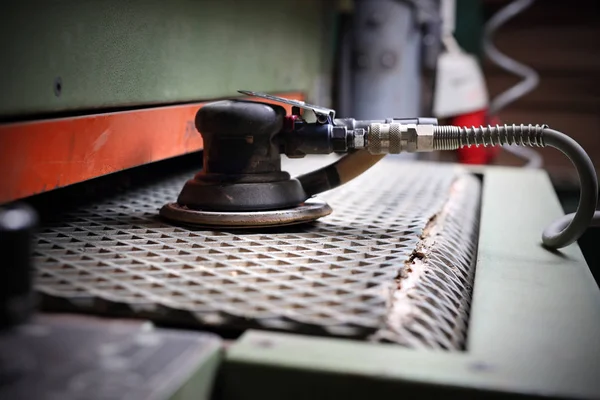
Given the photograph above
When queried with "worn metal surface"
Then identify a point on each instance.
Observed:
(430, 304)
(338, 276)
(533, 329)
(69, 357)
(81, 55)
(309, 211)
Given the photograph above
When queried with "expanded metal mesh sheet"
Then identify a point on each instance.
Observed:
(394, 262)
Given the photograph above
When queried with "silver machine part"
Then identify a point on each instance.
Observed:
(395, 138)
(386, 61)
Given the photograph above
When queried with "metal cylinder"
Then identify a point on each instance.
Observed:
(386, 60)
(17, 225)
(385, 138)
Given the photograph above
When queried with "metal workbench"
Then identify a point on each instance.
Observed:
(532, 317)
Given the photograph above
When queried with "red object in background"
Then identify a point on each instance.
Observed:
(474, 155)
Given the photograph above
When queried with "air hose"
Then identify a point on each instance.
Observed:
(393, 138)
(567, 229)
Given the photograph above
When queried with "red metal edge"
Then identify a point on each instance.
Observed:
(39, 156)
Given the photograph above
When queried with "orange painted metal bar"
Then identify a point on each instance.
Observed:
(43, 155)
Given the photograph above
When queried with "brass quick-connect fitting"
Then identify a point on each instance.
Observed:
(394, 138)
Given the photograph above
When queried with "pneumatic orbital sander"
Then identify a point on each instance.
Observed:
(242, 185)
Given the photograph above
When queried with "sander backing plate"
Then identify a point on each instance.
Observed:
(308, 211)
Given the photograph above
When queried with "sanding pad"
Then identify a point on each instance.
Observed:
(308, 211)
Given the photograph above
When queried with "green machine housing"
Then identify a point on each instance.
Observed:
(534, 315)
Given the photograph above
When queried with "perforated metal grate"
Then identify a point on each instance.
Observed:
(393, 262)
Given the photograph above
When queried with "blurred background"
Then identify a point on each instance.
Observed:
(366, 59)
(98, 132)
(561, 43)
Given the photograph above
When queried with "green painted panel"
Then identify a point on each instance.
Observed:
(115, 53)
(269, 365)
(469, 26)
(535, 313)
(200, 385)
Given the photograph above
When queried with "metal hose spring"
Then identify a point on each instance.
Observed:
(454, 137)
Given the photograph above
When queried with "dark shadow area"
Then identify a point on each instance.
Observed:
(51, 205)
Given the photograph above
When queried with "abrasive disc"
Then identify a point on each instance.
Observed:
(308, 211)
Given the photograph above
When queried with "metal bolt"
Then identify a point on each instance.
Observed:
(338, 139)
(388, 59)
(359, 138)
(57, 86)
(361, 60)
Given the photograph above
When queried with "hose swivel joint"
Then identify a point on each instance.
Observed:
(454, 137)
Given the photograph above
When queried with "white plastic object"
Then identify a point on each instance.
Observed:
(460, 86)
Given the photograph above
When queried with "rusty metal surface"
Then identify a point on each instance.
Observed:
(353, 273)
(430, 304)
